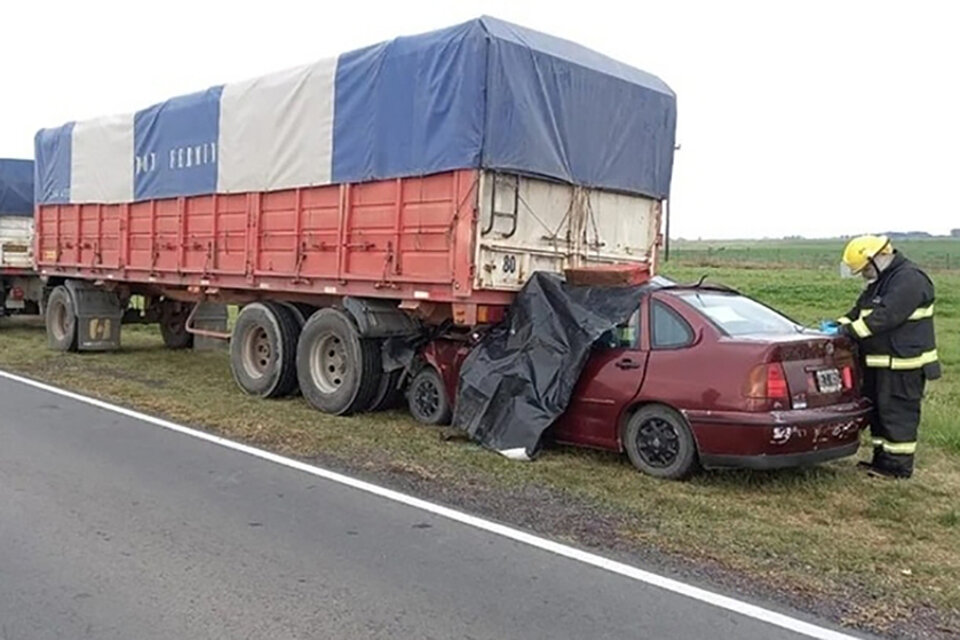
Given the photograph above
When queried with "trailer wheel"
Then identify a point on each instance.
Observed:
(388, 395)
(61, 320)
(339, 372)
(262, 350)
(297, 312)
(427, 398)
(173, 324)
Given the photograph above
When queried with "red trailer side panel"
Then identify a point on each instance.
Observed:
(406, 238)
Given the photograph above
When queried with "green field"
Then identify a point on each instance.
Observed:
(885, 554)
(935, 253)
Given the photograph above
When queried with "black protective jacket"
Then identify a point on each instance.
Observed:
(893, 320)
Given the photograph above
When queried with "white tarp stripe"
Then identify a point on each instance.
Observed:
(101, 162)
(276, 131)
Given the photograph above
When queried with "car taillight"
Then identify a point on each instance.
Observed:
(846, 373)
(777, 382)
(767, 382)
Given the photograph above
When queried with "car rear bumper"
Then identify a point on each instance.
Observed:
(778, 439)
(830, 413)
(779, 461)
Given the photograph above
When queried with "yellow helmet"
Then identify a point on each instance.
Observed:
(859, 251)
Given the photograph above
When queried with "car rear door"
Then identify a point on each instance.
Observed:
(610, 380)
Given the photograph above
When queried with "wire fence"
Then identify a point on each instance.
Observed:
(801, 257)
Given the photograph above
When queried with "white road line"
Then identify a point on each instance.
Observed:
(668, 584)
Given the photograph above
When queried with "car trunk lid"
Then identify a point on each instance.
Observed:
(820, 370)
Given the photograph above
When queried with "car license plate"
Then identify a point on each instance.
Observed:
(829, 381)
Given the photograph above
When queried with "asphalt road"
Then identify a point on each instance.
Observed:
(111, 527)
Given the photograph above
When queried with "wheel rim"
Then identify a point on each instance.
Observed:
(426, 398)
(59, 321)
(257, 352)
(329, 365)
(658, 443)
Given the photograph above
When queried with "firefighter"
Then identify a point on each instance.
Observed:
(892, 322)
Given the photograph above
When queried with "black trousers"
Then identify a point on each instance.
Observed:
(896, 397)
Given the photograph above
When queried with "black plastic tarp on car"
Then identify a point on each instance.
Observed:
(521, 375)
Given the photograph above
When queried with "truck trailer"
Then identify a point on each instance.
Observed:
(413, 184)
(20, 287)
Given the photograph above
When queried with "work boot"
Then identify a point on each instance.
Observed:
(878, 454)
(887, 474)
(888, 465)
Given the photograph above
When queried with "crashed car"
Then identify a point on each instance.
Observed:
(699, 376)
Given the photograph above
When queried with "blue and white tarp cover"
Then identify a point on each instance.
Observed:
(485, 93)
(16, 187)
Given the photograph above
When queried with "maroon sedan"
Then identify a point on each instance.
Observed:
(699, 376)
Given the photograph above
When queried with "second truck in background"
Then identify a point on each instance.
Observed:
(21, 291)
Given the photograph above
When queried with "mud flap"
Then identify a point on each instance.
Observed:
(380, 318)
(99, 316)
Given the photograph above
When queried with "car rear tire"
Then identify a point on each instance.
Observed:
(61, 320)
(659, 442)
(173, 324)
(263, 350)
(339, 372)
(427, 398)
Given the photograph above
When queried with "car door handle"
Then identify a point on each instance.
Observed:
(628, 363)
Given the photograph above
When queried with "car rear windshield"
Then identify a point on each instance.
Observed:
(737, 315)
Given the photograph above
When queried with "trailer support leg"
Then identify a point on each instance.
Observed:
(208, 324)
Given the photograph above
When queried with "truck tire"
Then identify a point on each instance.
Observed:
(263, 350)
(388, 395)
(173, 325)
(61, 320)
(297, 312)
(427, 398)
(339, 372)
(659, 443)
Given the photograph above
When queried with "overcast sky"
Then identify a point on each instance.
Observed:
(812, 118)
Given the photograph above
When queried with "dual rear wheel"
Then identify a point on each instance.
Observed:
(263, 350)
(275, 350)
(339, 372)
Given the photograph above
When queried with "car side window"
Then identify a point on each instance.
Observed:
(670, 331)
(623, 336)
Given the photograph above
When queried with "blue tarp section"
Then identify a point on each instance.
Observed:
(175, 146)
(483, 94)
(52, 153)
(410, 106)
(491, 94)
(558, 109)
(16, 187)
